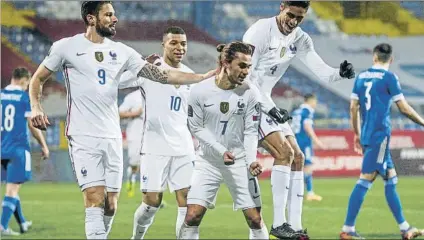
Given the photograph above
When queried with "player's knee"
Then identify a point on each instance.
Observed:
(391, 181)
(111, 205)
(284, 154)
(255, 221)
(153, 199)
(12, 189)
(193, 217)
(94, 197)
(299, 158)
(364, 183)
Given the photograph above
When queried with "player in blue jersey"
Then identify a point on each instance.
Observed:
(15, 147)
(302, 127)
(373, 93)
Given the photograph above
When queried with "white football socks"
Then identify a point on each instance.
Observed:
(182, 211)
(280, 183)
(143, 218)
(188, 232)
(296, 192)
(94, 225)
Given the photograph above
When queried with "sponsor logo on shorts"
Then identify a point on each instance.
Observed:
(144, 178)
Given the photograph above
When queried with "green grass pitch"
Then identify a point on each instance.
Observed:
(57, 212)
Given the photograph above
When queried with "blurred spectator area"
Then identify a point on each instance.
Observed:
(29, 28)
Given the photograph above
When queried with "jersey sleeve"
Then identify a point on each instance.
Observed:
(135, 61)
(27, 105)
(251, 125)
(314, 62)
(394, 88)
(355, 90)
(195, 122)
(55, 57)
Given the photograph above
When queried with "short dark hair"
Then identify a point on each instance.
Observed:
(173, 30)
(383, 52)
(91, 7)
(309, 96)
(20, 72)
(302, 4)
(228, 51)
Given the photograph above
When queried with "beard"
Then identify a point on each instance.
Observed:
(104, 31)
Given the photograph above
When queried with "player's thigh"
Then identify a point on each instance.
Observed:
(134, 156)
(278, 146)
(377, 160)
(205, 183)
(154, 171)
(243, 187)
(19, 167)
(114, 163)
(86, 157)
(180, 172)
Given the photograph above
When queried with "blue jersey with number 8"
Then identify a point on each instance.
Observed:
(376, 89)
(15, 108)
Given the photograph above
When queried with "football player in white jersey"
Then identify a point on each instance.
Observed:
(277, 41)
(167, 149)
(224, 117)
(92, 65)
(131, 110)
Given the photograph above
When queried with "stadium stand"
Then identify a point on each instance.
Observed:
(27, 27)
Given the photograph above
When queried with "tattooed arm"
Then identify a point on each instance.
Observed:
(169, 76)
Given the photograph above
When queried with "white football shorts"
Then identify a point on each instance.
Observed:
(134, 149)
(207, 178)
(157, 171)
(268, 125)
(97, 161)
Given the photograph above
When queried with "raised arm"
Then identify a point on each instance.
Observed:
(170, 76)
(314, 62)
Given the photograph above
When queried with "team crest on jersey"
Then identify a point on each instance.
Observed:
(113, 55)
(293, 49)
(99, 56)
(283, 51)
(224, 107)
(240, 107)
(177, 86)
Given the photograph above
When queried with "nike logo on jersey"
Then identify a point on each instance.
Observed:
(80, 54)
(207, 105)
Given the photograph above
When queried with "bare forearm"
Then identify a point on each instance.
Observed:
(168, 76)
(38, 135)
(355, 121)
(413, 115)
(35, 90)
(129, 114)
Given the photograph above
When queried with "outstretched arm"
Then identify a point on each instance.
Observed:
(314, 62)
(170, 76)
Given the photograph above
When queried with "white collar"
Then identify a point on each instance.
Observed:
(380, 67)
(304, 105)
(11, 87)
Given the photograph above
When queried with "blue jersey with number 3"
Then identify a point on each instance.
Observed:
(376, 89)
(15, 108)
